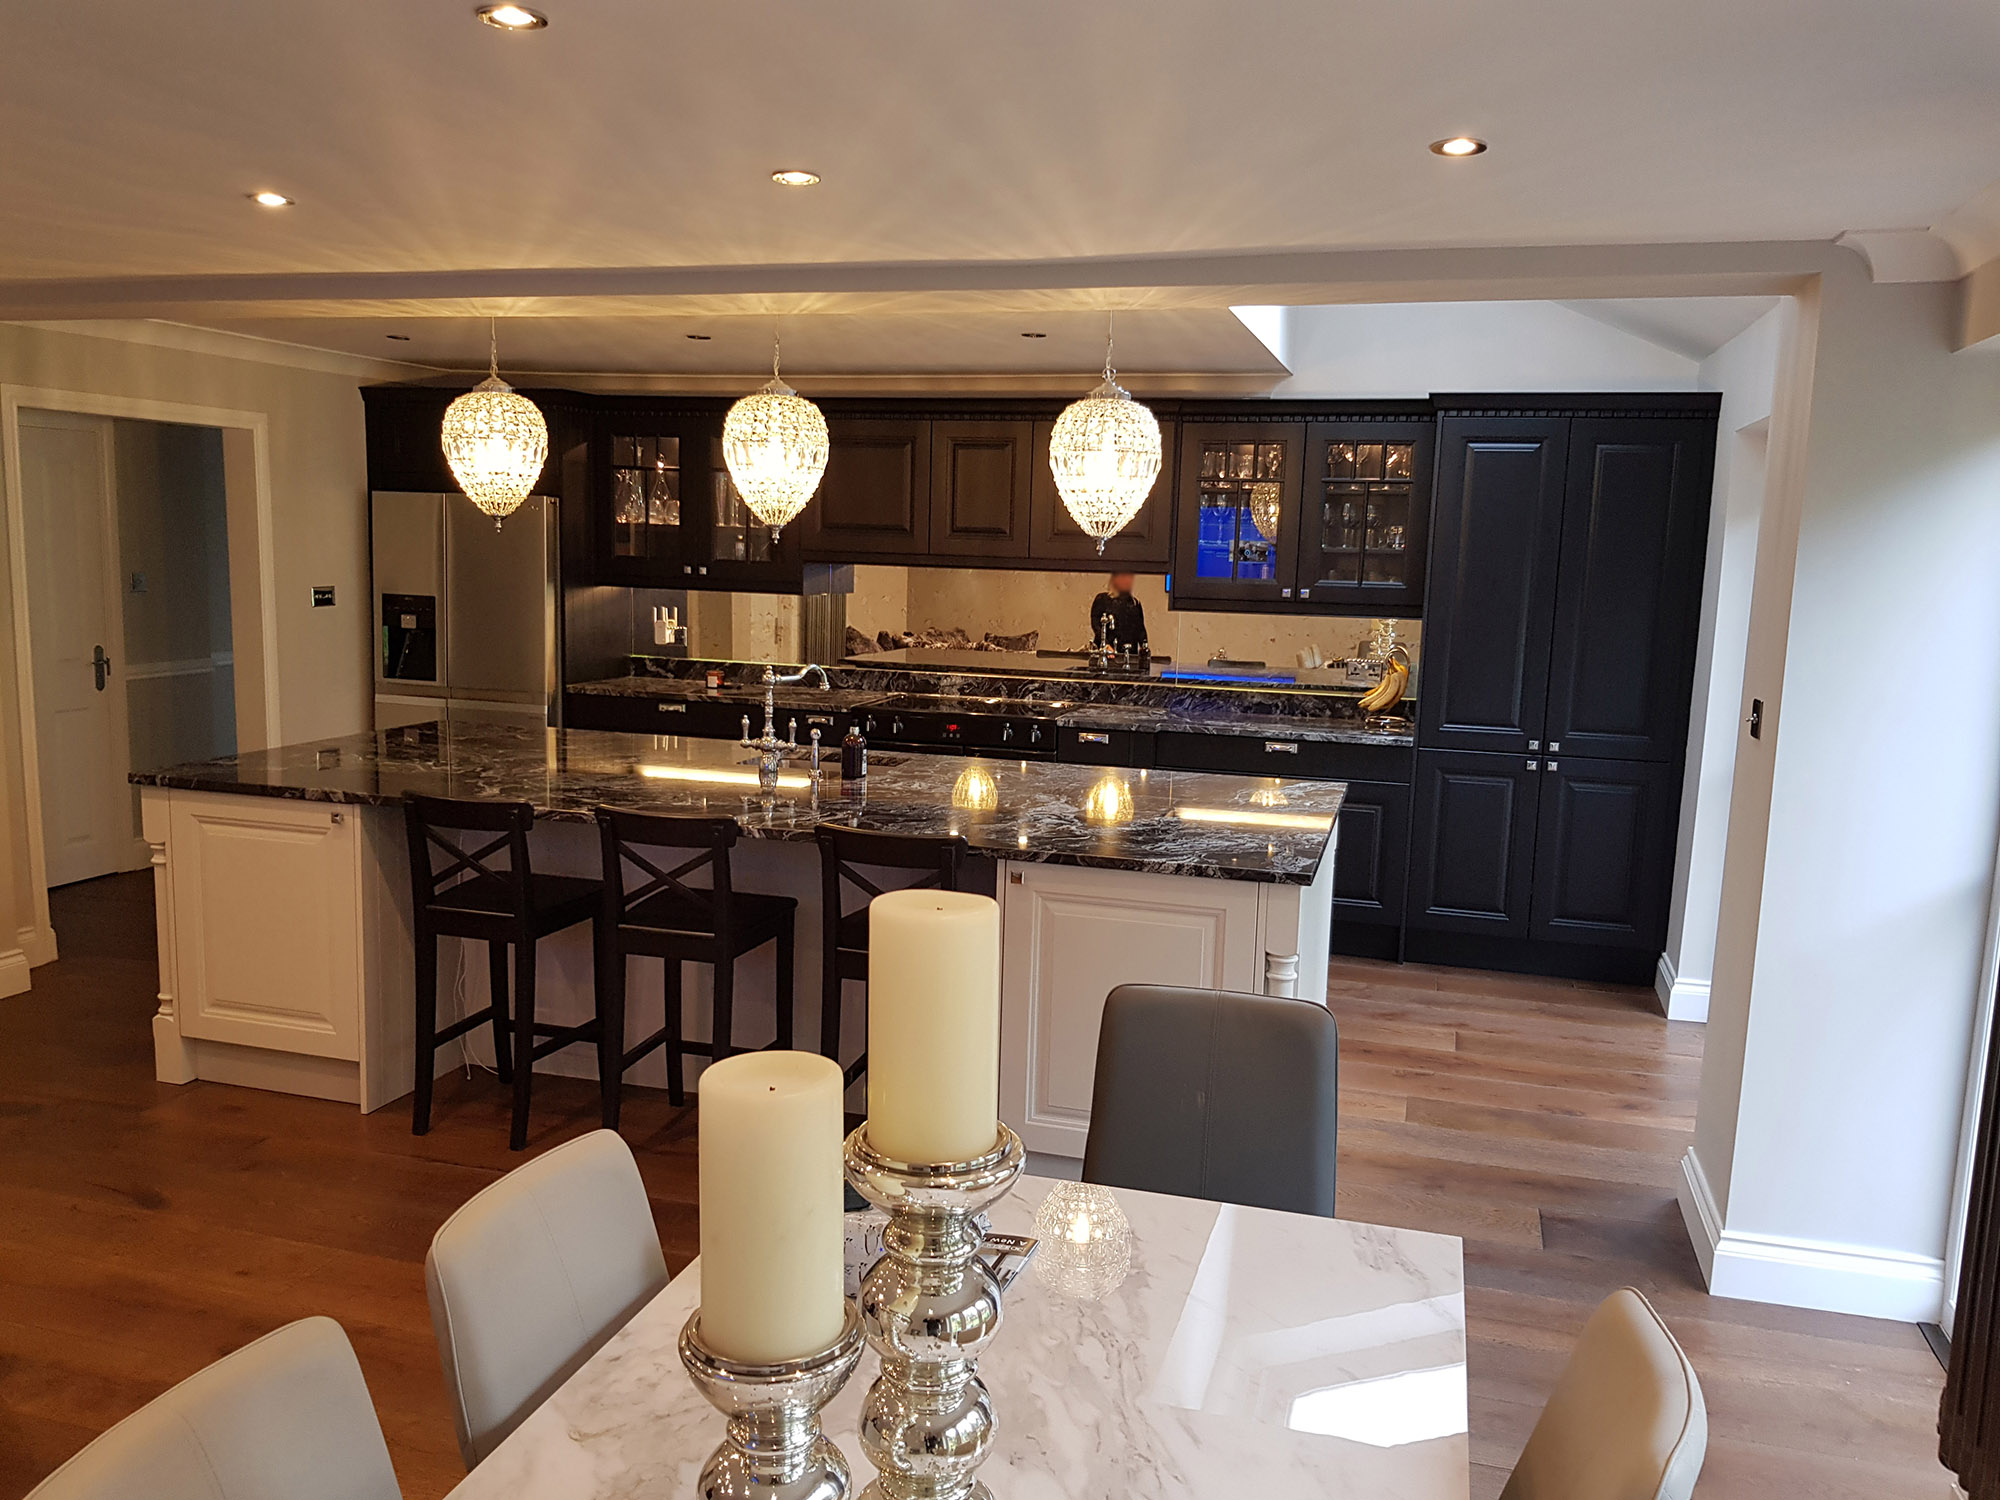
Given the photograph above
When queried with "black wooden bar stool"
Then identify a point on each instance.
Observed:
(664, 917)
(487, 891)
(844, 853)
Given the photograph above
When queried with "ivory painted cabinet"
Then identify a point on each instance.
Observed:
(278, 939)
(1070, 936)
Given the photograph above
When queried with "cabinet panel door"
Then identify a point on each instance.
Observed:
(874, 500)
(980, 481)
(1364, 516)
(1635, 520)
(1604, 855)
(1472, 842)
(1495, 523)
(1068, 938)
(1370, 855)
(267, 923)
(1145, 543)
(648, 471)
(1235, 523)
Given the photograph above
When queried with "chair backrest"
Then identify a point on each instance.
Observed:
(532, 1275)
(625, 834)
(286, 1416)
(1626, 1420)
(846, 853)
(453, 840)
(1209, 1094)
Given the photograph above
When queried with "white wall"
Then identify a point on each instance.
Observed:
(1862, 831)
(1416, 348)
(1744, 370)
(318, 491)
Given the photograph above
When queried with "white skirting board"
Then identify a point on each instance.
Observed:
(1867, 1282)
(1683, 999)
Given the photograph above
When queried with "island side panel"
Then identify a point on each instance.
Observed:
(1069, 936)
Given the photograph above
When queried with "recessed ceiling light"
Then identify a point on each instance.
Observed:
(700, 338)
(795, 177)
(1459, 145)
(1034, 335)
(401, 338)
(512, 17)
(269, 199)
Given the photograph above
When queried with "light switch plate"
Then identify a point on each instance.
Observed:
(322, 595)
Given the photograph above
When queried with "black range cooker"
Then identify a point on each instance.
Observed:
(969, 726)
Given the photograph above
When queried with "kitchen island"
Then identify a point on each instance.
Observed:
(284, 904)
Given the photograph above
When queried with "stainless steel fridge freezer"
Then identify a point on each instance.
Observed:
(466, 615)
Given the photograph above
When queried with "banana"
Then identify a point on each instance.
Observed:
(1389, 691)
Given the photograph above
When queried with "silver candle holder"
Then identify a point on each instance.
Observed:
(929, 1307)
(774, 1449)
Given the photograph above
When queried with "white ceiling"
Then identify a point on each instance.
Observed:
(637, 134)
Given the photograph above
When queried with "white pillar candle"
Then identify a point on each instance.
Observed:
(933, 1025)
(772, 1264)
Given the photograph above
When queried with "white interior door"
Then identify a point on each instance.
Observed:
(77, 639)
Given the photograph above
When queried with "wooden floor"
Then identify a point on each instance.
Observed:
(146, 1230)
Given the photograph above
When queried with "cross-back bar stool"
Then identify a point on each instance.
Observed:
(471, 878)
(662, 916)
(844, 855)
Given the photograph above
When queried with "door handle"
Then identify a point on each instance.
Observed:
(100, 666)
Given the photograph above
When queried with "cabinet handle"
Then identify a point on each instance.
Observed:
(338, 817)
(1555, 745)
(1091, 737)
(1534, 765)
(1288, 593)
(1534, 744)
(1551, 765)
(673, 708)
(1280, 747)
(1305, 593)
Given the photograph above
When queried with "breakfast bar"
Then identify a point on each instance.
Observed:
(284, 900)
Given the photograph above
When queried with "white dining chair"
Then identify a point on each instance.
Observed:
(286, 1416)
(533, 1275)
(1626, 1420)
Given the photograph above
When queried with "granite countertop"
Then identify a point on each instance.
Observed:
(1188, 717)
(1159, 822)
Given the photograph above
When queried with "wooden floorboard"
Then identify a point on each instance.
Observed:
(146, 1230)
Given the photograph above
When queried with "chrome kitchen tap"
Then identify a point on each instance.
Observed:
(770, 749)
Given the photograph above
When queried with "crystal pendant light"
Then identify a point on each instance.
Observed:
(495, 441)
(1265, 508)
(1105, 454)
(774, 441)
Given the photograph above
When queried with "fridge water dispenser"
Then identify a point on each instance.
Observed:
(409, 637)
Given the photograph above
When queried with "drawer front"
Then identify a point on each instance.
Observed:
(1103, 747)
(1280, 755)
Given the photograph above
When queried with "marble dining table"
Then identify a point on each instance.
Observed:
(1216, 1351)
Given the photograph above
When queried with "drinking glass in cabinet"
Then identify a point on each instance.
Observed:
(1368, 461)
(1398, 460)
(663, 500)
(628, 497)
(1243, 462)
(1340, 460)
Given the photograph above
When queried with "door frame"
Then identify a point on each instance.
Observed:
(38, 943)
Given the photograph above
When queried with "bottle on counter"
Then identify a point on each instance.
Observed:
(854, 755)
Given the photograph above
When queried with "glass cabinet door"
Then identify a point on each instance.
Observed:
(1367, 510)
(735, 549)
(643, 512)
(1239, 500)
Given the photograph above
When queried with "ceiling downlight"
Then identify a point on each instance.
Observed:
(508, 17)
(1459, 145)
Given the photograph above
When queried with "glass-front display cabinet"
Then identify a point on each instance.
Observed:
(734, 549)
(1237, 531)
(646, 468)
(1366, 517)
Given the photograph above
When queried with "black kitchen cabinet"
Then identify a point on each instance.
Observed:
(980, 484)
(1364, 519)
(1604, 851)
(1236, 528)
(1496, 527)
(1472, 842)
(875, 500)
(1144, 544)
(650, 469)
(1628, 587)
(1370, 855)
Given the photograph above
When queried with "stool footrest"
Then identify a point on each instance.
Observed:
(460, 1027)
(555, 1038)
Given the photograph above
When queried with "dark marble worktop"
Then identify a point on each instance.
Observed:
(1159, 822)
(1140, 706)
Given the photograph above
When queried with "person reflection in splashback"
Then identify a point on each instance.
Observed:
(1117, 619)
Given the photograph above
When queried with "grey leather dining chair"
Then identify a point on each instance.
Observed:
(1626, 1420)
(1210, 1094)
(533, 1275)
(288, 1415)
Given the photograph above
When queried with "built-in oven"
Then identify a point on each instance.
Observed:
(964, 726)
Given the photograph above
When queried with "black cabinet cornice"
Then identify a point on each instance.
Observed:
(1668, 404)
